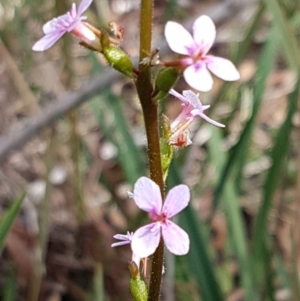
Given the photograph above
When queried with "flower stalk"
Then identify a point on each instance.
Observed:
(144, 89)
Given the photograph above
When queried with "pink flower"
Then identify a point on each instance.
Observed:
(147, 196)
(125, 240)
(69, 22)
(192, 107)
(197, 62)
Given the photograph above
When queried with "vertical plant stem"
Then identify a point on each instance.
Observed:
(144, 88)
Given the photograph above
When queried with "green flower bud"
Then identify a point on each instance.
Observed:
(138, 287)
(116, 57)
(165, 80)
(166, 150)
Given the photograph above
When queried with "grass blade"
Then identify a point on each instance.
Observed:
(237, 233)
(244, 47)
(238, 153)
(278, 156)
(8, 219)
(227, 184)
(200, 264)
(98, 283)
(286, 35)
(10, 288)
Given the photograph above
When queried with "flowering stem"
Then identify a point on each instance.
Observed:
(144, 89)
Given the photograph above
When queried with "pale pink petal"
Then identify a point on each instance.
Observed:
(82, 32)
(125, 239)
(73, 11)
(49, 26)
(198, 78)
(127, 236)
(193, 100)
(204, 33)
(136, 259)
(178, 38)
(176, 200)
(215, 123)
(120, 243)
(222, 68)
(147, 195)
(180, 138)
(47, 41)
(177, 95)
(56, 27)
(145, 240)
(176, 240)
(83, 6)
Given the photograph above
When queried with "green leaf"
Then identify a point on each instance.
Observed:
(165, 80)
(243, 48)
(8, 219)
(166, 150)
(286, 35)
(229, 182)
(10, 288)
(278, 156)
(98, 283)
(238, 154)
(237, 233)
(200, 264)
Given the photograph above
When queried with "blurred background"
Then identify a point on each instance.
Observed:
(72, 144)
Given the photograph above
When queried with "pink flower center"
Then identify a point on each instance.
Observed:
(161, 218)
(196, 52)
(198, 55)
(82, 32)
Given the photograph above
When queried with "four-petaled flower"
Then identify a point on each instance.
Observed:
(69, 22)
(195, 48)
(192, 107)
(126, 239)
(147, 196)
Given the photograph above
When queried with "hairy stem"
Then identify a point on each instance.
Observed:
(144, 88)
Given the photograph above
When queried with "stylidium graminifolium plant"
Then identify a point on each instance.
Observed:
(195, 63)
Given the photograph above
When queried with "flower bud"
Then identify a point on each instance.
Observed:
(166, 150)
(116, 57)
(138, 287)
(165, 80)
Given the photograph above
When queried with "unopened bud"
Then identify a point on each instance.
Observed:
(138, 287)
(165, 80)
(116, 57)
(166, 150)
